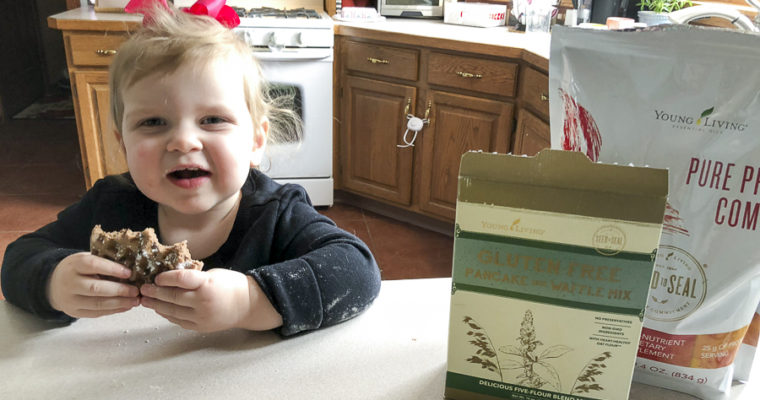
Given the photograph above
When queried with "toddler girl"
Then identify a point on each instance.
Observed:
(191, 113)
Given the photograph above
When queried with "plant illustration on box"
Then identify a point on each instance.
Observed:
(532, 359)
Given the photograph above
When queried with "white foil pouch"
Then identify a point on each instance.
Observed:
(686, 99)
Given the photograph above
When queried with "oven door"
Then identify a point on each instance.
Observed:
(309, 77)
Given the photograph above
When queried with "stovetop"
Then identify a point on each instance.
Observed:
(283, 18)
(269, 12)
(282, 30)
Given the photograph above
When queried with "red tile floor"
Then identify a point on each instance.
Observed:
(40, 174)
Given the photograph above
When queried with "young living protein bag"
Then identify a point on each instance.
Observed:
(686, 99)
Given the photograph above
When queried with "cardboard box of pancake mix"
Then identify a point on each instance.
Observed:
(553, 256)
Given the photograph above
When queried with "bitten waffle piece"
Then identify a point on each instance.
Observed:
(141, 252)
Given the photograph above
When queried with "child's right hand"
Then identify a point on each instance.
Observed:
(78, 287)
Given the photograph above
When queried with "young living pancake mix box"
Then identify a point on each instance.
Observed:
(553, 257)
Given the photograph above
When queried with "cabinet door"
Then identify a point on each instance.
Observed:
(101, 152)
(532, 134)
(374, 122)
(534, 91)
(458, 124)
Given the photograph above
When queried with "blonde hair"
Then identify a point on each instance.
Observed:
(173, 38)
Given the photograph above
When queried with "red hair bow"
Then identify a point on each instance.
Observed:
(213, 8)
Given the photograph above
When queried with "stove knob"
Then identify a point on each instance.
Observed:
(299, 39)
(242, 34)
(247, 36)
(273, 42)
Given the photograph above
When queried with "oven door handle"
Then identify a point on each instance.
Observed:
(292, 56)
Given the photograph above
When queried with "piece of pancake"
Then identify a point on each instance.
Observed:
(141, 252)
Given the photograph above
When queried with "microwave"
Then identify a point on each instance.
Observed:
(411, 8)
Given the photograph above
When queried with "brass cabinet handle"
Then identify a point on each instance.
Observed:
(427, 112)
(105, 53)
(469, 75)
(377, 60)
(408, 106)
(544, 97)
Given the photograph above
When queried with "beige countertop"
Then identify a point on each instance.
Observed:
(87, 19)
(395, 350)
(537, 44)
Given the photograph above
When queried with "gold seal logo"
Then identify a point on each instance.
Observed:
(678, 286)
(608, 240)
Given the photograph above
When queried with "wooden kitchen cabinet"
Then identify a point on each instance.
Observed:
(375, 113)
(88, 56)
(468, 99)
(101, 152)
(532, 133)
(90, 46)
(458, 123)
(490, 77)
(379, 60)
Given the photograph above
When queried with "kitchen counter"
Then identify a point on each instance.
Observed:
(499, 40)
(87, 19)
(395, 350)
(495, 41)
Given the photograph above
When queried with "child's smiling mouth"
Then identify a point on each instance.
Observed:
(188, 177)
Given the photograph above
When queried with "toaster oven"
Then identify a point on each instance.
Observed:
(411, 8)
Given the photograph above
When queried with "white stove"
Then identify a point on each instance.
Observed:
(296, 31)
(295, 50)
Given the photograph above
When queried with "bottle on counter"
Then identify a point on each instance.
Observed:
(538, 16)
(584, 11)
(571, 17)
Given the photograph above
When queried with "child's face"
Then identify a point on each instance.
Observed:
(189, 137)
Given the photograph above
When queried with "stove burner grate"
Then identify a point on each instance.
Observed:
(268, 12)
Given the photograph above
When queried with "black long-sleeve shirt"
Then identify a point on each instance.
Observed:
(314, 273)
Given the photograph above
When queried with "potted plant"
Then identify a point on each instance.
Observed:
(655, 12)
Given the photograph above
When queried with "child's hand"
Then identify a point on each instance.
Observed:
(208, 301)
(77, 287)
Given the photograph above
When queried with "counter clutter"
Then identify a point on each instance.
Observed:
(396, 350)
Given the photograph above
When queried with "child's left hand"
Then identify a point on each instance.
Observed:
(208, 301)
